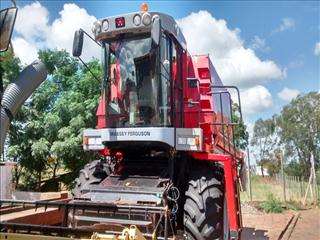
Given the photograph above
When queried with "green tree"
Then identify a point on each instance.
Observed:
(10, 67)
(48, 134)
(296, 130)
(273, 164)
(293, 168)
(264, 141)
(299, 124)
(241, 135)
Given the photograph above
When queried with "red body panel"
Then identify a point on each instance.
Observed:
(101, 113)
(210, 109)
(206, 113)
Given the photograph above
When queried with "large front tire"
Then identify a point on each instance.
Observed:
(92, 174)
(203, 209)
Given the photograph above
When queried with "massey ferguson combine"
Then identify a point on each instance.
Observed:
(168, 165)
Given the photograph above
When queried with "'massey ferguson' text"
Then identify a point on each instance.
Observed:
(130, 133)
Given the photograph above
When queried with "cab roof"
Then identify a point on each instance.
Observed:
(127, 26)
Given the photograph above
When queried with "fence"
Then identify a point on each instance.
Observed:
(287, 188)
(295, 189)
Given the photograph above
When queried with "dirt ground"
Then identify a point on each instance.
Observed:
(261, 226)
(264, 226)
(308, 225)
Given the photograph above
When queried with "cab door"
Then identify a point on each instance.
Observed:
(176, 70)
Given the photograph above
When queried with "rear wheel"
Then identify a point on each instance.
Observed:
(92, 174)
(203, 209)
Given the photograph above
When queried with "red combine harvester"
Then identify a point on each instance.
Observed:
(167, 161)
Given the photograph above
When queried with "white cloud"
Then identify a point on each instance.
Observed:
(62, 30)
(234, 63)
(32, 21)
(256, 99)
(35, 31)
(317, 49)
(26, 51)
(258, 43)
(286, 24)
(288, 94)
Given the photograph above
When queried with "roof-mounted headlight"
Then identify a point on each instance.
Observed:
(155, 17)
(105, 25)
(137, 20)
(146, 19)
(96, 27)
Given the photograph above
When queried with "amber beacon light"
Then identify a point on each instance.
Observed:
(144, 7)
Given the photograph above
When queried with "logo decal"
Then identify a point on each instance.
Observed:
(130, 133)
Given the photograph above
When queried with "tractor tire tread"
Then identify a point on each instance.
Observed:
(203, 209)
(87, 178)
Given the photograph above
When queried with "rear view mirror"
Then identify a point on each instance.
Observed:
(155, 31)
(7, 20)
(77, 43)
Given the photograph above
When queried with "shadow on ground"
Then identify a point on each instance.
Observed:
(254, 234)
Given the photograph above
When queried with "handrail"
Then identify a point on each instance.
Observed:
(238, 95)
(222, 123)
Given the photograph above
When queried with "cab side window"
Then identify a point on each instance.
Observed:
(165, 106)
(171, 80)
(177, 83)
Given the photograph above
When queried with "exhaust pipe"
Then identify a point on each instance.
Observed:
(17, 93)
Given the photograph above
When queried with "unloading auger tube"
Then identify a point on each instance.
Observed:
(18, 92)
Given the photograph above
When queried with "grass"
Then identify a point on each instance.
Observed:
(293, 205)
(272, 204)
(262, 187)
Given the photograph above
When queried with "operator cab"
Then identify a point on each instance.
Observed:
(133, 86)
(143, 85)
(138, 68)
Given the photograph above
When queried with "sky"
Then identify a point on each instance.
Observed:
(269, 49)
